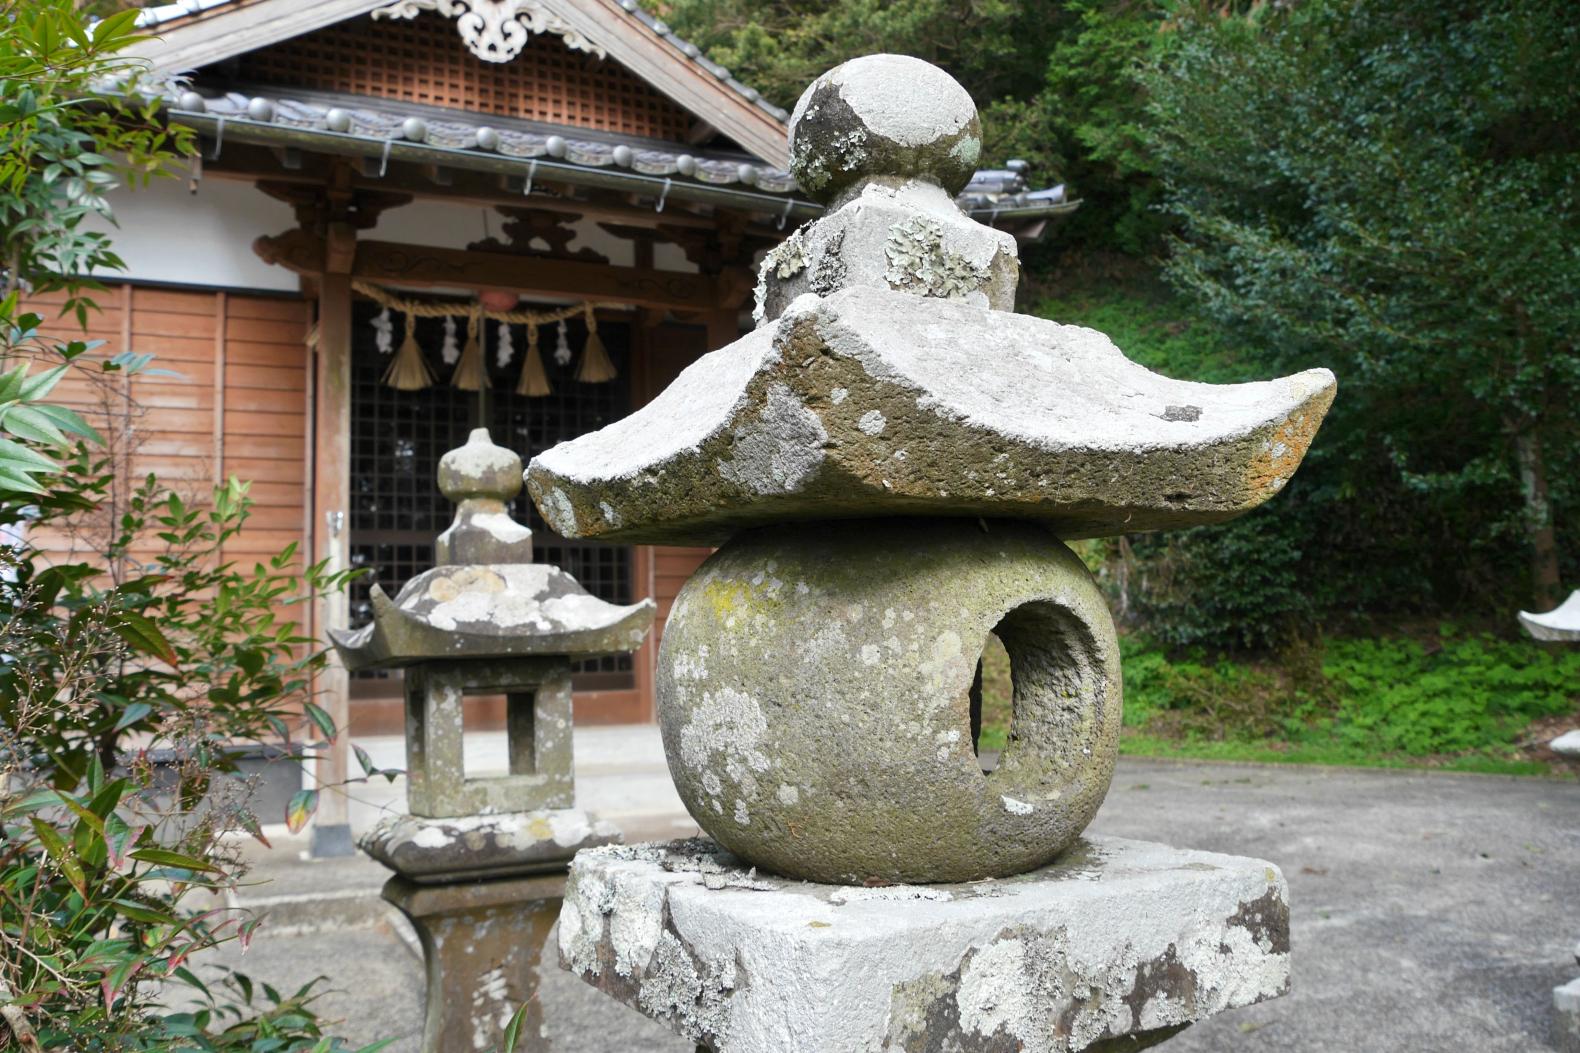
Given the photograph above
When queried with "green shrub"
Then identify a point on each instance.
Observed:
(1354, 699)
(1450, 695)
(155, 644)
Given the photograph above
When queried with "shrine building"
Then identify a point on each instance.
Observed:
(406, 220)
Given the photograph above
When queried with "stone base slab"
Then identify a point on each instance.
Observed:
(484, 846)
(1116, 945)
(1566, 1017)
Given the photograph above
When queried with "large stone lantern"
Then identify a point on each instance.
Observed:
(480, 861)
(890, 465)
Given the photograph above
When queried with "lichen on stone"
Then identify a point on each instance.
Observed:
(919, 263)
(692, 995)
(788, 257)
(828, 269)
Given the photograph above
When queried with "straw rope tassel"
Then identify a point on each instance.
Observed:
(408, 370)
(595, 366)
(471, 372)
(534, 380)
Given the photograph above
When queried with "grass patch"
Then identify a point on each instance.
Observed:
(1446, 700)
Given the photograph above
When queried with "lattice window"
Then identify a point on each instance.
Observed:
(397, 438)
(424, 61)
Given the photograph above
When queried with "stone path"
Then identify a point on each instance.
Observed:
(1430, 911)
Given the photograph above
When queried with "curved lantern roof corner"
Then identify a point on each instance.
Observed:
(1561, 624)
(889, 376)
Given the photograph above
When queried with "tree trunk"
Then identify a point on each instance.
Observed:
(1538, 518)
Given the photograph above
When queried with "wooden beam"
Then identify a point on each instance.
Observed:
(251, 163)
(413, 265)
(416, 265)
(659, 62)
(229, 31)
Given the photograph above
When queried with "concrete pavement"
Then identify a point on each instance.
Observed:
(1430, 911)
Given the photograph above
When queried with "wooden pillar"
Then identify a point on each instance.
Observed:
(331, 527)
(724, 327)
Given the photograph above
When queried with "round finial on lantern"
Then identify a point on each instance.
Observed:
(338, 120)
(883, 115)
(192, 102)
(260, 109)
(480, 469)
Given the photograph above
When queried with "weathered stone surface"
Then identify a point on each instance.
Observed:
(813, 695)
(482, 944)
(870, 402)
(1566, 1017)
(908, 236)
(480, 478)
(882, 115)
(1561, 624)
(538, 721)
(1118, 938)
(504, 610)
(492, 845)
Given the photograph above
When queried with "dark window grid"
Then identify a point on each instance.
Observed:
(398, 437)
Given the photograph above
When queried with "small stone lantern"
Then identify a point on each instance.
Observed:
(480, 861)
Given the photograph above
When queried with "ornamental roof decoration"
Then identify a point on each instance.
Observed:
(487, 20)
(496, 30)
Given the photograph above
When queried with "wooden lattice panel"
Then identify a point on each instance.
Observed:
(424, 61)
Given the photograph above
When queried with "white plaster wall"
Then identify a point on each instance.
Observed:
(167, 234)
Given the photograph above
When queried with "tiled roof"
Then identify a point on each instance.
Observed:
(990, 190)
(685, 49)
(355, 117)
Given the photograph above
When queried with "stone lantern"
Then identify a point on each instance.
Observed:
(480, 861)
(890, 465)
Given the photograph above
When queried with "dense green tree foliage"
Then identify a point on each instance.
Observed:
(128, 681)
(1386, 188)
(1390, 189)
(1055, 81)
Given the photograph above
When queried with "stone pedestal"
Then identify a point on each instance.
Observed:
(1117, 945)
(481, 942)
(482, 892)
